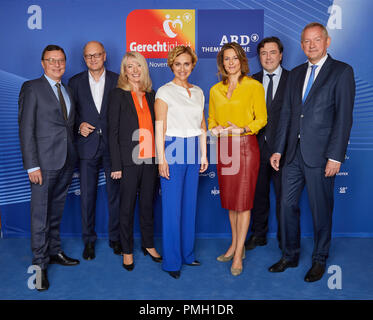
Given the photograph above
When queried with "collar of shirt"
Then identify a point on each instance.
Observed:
(97, 89)
(276, 79)
(92, 80)
(63, 90)
(319, 66)
(52, 82)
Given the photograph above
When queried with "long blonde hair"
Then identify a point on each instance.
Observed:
(146, 82)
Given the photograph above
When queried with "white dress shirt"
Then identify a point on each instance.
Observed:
(276, 80)
(97, 89)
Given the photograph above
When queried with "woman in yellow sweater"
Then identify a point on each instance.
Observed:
(237, 111)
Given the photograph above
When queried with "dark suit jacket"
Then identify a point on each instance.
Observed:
(273, 112)
(45, 136)
(86, 111)
(324, 121)
(122, 124)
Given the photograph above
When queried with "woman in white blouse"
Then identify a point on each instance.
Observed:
(181, 148)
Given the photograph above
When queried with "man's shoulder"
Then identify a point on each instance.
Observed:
(299, 68)
(34, 83)
(112, 74)
(258, 76)
(78, 76)
(339, 65)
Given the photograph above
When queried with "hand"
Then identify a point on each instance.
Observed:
(232, 129)
(164, 170)
(216, 131)
(86, 129)
(36, 177)
(204, 164)
(332, 168)
(116, 175)
(275, 161)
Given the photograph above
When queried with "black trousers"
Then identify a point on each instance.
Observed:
(260, 211)
(89, 172)
(47, 205)
(138, 181)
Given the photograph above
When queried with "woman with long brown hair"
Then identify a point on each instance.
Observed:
(237, 112)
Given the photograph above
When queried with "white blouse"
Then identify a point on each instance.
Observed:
(184, 115)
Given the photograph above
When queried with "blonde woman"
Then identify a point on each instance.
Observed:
(132, 152)
(180, 135)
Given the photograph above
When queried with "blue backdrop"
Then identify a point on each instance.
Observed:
(27, 27)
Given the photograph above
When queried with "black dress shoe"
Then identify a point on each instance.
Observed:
(89, 251)
(146, 252)
(195, 263)
(174, 274)
(116, 246)
(282, 265)
(315, 273)
(62, 259)
(254, 242)
(129, 267)
(44, 283)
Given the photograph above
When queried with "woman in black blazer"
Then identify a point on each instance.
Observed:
(132, 152)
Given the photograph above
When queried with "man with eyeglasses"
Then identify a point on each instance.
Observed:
(46, 120)
(91, 90)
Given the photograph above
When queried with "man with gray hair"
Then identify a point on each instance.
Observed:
(315, 124)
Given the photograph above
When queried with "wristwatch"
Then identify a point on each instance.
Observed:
(244, 130)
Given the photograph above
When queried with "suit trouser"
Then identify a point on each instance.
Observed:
(47, 205)
(260, 211)
(137, 181)
(320, 190)
(89, 172)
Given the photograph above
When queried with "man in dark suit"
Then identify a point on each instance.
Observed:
(90, 90)
(273, 77)
(46, 121)
(315, 122)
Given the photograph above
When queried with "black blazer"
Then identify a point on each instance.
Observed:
(324, 121)
(122, 124)
(273, 112)
(46, 138)
(86, 111)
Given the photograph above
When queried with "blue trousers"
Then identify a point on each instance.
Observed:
(179, 205)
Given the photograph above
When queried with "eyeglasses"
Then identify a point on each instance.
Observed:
(95, 55)
(54, 61)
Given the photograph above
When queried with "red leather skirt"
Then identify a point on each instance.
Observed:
(238, 167)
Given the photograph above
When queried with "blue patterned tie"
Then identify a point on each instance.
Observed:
(310, 82)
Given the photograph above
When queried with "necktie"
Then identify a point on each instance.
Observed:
(310, 82)
(269, 90)
(62, 100)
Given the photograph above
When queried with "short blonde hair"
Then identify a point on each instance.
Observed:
(146, 82)
(175, 52)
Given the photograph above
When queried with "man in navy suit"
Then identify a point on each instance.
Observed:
(315, 122)
(91, 90)
(273, 77)
(46, 121)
